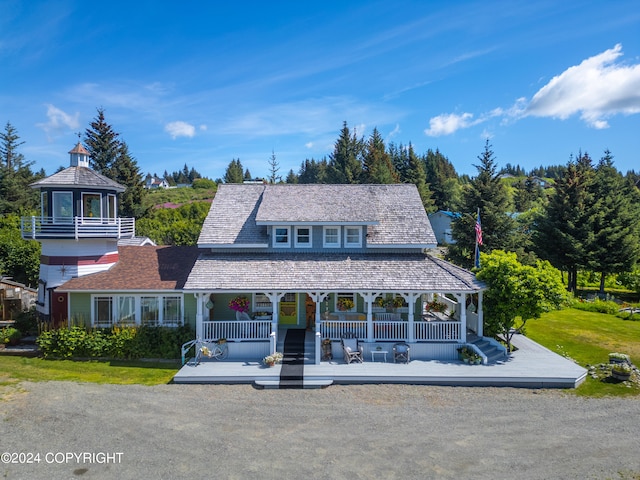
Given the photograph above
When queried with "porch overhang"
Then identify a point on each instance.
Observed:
(383, 272)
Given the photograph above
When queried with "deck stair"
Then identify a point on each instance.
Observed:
(493, 352)
(309, 346)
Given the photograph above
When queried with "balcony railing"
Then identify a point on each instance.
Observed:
(35, 228)
(387, 330)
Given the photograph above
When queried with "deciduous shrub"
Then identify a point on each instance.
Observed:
(597, 305)
(117, 342)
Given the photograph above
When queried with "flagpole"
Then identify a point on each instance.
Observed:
(478, 232)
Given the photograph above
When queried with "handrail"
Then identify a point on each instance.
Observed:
(35, 227)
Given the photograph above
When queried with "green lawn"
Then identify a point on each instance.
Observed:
(588, 338)
(14, 369)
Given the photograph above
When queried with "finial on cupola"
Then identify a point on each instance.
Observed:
(79, 155)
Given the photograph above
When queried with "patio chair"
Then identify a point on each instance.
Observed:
(351, 349)
(401, 353)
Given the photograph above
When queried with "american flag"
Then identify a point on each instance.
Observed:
(478, 230)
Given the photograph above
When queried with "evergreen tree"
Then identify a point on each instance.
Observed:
(291, 177)
(377, 166)
(443, 181)
(274, 168)
(527, 193)
(488, 194)
(312, 171)
(126, 172)
(414, 173)
(345, 163)
(15, 175)
(234, 172)
(614, 214)
(562, 234)
(102, 144)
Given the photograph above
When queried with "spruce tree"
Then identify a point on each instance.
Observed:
(443, 181)
(488, 194)
(377, 166)
(102, 144)
(312, 171)
(234, 172)
(562, 234)
(415, 174)
(614, 246)
(15, 175)
(126, 172)
(345, 163)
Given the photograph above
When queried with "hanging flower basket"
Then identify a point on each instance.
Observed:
(239, 304)
(345, 304)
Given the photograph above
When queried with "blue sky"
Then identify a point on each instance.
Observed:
(202, 83)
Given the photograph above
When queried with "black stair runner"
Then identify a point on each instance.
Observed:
(292, 371)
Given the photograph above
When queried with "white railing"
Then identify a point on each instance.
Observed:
(335, 329)
(390, 330)
(237, 330)
(437, 331)
(76, 227)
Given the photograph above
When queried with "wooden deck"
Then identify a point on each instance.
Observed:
(531, 366)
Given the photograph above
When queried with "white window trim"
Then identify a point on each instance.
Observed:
(55, 200)
(303, 245)
(324, 237)
(115, 302)
(281, 245)
(347, 244)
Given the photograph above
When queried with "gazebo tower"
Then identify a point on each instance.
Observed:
(78, 228)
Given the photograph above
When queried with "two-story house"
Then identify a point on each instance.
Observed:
(329, 258)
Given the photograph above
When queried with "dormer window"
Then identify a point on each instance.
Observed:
(303, 237)
(331, 237)
(353, 237)
(281, 237)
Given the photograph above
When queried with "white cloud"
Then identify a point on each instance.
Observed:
(448, 123)
(309, 145)
(59, 121)
(203, 128)
(596, 89)
(180, 129)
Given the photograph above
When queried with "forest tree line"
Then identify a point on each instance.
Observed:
(585, 215)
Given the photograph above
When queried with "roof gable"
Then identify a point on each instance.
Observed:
(239, 213)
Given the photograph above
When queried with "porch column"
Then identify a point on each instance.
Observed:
(480, 316)
(411, 301)
(318, 298)
(274, 298)
(463, 318)
(369, 297)
(199, 303)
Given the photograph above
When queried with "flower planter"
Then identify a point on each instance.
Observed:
(620, 375)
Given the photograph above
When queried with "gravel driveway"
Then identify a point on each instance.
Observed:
(358, 432)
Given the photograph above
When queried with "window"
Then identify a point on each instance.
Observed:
(137, 310)
(353, 237)
(331, 237)
(111, 207)
(44, 204)
(103, 308)
(281, 237)
(303, 237)
(91, 206)
(63, 207)
(126, 311)
(171, 311)
(150, 310)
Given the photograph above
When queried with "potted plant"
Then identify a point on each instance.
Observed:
(271, 360)
(621, 371)
(10, 336)
(345, 304)
(435, 305)
(619, 358)
(469, 355)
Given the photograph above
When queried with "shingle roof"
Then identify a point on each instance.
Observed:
(328, 272)
(78, 177)
(395, 213)
(145, 268)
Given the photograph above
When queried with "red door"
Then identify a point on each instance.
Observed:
(59, 305)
